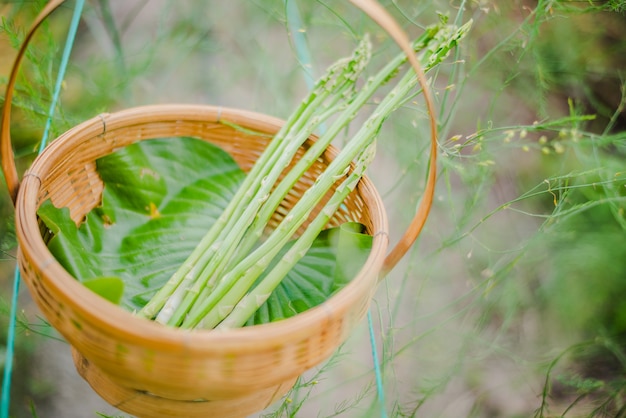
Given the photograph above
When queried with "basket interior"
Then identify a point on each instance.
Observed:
(189, 364)
(74, 182)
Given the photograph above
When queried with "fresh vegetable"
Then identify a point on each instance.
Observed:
(233, 270)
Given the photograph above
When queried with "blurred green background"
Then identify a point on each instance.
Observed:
(511, 304)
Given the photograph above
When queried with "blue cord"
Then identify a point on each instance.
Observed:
(304, 56)
(8, 362)
(69, 43)
(380, 390)
(10, 349)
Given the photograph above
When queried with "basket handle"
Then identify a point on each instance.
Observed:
(377, 13)
(372, 8)
(7, 157)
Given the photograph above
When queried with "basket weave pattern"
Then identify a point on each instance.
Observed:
(142, 356)
(151, 370)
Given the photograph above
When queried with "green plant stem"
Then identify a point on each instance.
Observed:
(244, 273)
(158, 301)
(238, 280)
(197, 288)
(322, 143)
(253, 300)
(223, 298)
(338, 80)
(204, 275)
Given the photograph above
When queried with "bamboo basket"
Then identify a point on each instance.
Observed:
(150, 370)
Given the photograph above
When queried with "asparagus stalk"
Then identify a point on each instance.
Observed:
(241, 277)
(338, 83)
(362, 140)
(220, 272)
(252, 301)
(245, 272)
(213, 262)
(237, 281)
(437, 51)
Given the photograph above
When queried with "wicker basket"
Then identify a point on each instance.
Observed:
(145, 368)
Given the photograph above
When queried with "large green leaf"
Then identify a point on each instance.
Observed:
(333, 260)
(160, 197)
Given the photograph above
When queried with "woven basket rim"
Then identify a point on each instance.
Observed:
(120, 321)
(117, 341)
